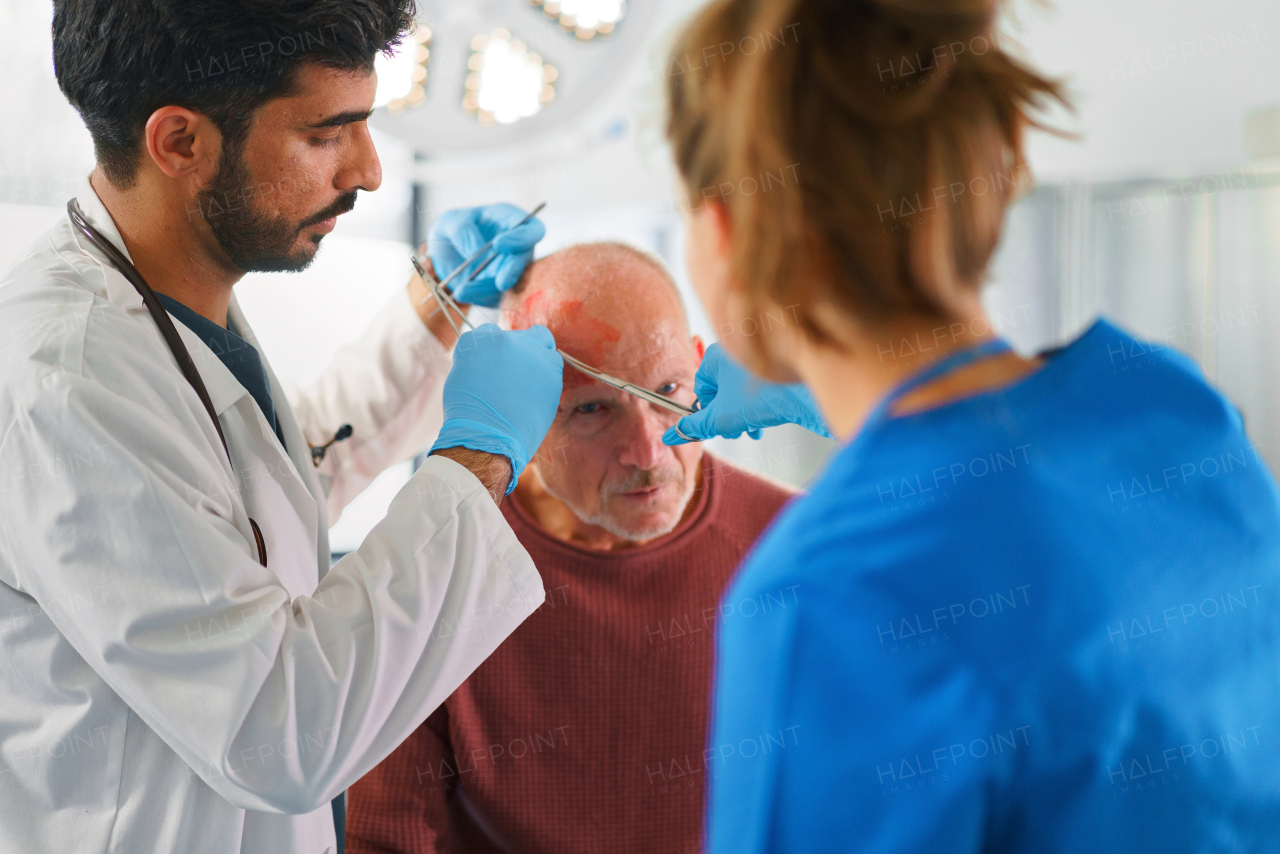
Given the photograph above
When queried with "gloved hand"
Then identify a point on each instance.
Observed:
(734, 401)
(502, 393)
(457, 234)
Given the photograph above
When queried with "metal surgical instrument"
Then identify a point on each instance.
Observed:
(630, 388)
(448, 303)
(440, 305)
(481, 251)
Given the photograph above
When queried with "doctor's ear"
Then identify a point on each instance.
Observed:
(183, 143)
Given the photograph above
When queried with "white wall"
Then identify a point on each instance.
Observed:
(44, 147)
(1162, 88)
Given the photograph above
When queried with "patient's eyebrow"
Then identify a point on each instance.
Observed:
(340, 119)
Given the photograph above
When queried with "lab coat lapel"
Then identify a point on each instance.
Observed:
(258, 456)
(298, 448)
(224, 388)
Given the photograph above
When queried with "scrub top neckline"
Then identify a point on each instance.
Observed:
(1053, 358)
(953, 361)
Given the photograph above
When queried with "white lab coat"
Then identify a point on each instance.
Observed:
(159, 689)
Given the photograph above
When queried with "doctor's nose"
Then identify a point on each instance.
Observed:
(362, 170)
(644, 448)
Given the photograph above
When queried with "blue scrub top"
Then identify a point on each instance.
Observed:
(1042, 619)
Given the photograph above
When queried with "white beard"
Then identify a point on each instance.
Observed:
(603, 520)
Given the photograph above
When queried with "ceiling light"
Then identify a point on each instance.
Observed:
(402, 77)
(505, 82)
(586, 19)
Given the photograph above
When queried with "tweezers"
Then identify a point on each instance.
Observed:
(446, 301)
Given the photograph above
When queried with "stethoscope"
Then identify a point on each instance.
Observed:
(179, 350)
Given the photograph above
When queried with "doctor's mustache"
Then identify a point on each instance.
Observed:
(343, 204)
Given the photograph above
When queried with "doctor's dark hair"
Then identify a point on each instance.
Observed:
(118, 61)
(876, 142)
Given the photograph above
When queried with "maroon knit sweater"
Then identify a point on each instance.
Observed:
(584, 731)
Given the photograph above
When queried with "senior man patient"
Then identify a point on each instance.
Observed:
(586, 730)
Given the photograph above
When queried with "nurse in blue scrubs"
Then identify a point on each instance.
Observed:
(1036, 599)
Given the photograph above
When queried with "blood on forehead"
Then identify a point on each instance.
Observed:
(580, 335)
(574, 379)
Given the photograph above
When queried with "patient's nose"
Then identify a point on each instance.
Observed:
(644, 448)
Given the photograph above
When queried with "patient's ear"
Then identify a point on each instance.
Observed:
(699, 349)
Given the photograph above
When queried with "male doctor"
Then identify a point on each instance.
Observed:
(180, 669)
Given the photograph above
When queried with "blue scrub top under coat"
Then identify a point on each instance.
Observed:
(1041, 619)
(240, 357)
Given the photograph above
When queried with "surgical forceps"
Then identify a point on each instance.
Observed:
(446, 302)
(630, 388)
(440, 304)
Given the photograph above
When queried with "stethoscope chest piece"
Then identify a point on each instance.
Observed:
(318, 451)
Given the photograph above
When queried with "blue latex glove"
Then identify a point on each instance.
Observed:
(502, 393)
(735, 402)
(457, 235)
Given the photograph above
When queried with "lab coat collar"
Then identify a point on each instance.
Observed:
(98, 215)
(118, 289)
(224, 388)
(304, 492)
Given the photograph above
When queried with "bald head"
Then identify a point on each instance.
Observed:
(603, 475)
(604, 302)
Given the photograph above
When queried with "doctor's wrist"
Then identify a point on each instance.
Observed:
(432, 315)
(492, 470)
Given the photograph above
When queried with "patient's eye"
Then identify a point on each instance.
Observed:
(588, 408)
(669, 389)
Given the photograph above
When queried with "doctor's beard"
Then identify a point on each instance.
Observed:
(639, 479)
(254, 241)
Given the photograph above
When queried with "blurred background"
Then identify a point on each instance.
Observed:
(1161, 211)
